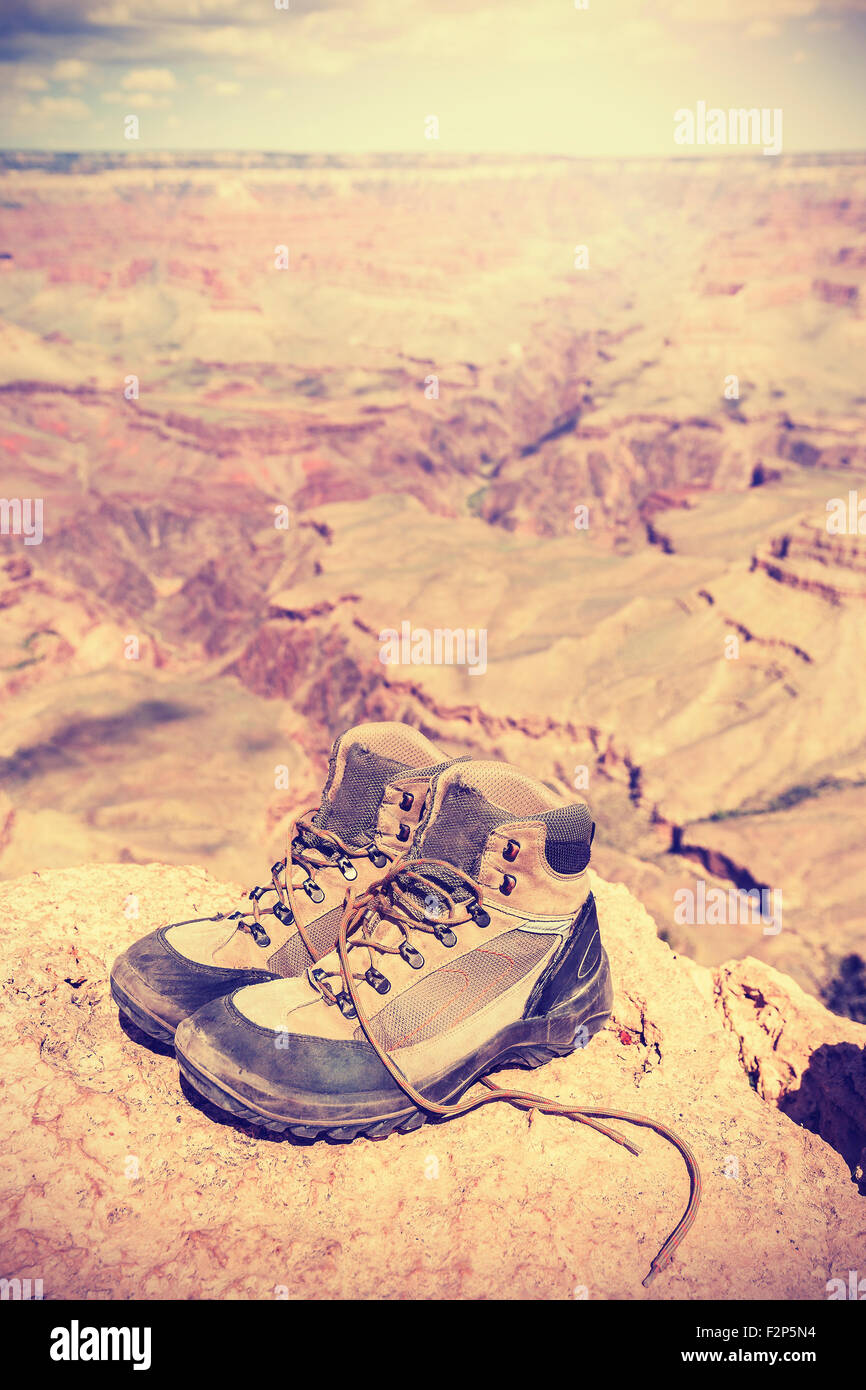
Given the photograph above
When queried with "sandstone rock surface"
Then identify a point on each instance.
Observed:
(116, 1184)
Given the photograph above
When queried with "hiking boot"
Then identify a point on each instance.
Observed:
(372, 802)
(482, 950)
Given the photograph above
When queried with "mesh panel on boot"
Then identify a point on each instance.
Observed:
(457, 833)
(375, 755)
(294, 957)
(291, 959)
(445, 997)
(432, 772)
(569, 836)
(352, 812)
(516, 792)
(459, 830)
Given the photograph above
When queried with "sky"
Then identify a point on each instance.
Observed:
(574, 77)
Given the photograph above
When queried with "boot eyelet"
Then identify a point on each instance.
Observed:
(377, 980)
(258, 893)
(347, 868)
(478, 915)
(511, 851)
(411, 956)
(404, 832)
(260, 937)
(407, 801)
(376, 857)
(446, 936)
(508, 885)
(313, 891)
(347, 1008)
(278, 867)
(283, 914)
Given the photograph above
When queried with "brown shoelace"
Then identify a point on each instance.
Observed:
(384, 898)
(308, 857)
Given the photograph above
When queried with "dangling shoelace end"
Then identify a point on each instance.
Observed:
(591, 1116)
(656, 1267)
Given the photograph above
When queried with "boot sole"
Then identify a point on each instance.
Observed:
(145, 1022)
(528, 1043)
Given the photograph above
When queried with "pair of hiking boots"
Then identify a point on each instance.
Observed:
(431, 923)
(469, 940)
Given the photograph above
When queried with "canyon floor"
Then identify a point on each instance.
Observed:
(272, 408)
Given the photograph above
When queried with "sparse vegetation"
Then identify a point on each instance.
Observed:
(791, 797)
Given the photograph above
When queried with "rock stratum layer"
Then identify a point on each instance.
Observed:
(116, 1184)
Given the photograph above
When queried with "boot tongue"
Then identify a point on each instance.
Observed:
(471, 799)
(460, 821)
(468, 800)
(458, 824)
(363, 762)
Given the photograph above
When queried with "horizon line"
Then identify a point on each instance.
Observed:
(731, 153)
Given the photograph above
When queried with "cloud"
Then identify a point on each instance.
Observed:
(252, 40)
(741, 13)
(149, 80)
(119, 13)
(225, 87)
(70, 108)
(29, 81)
(142, 100)
(329, 37)
(69, 70)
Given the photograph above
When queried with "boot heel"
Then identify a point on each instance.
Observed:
(569, 1025)
(564, 1036)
